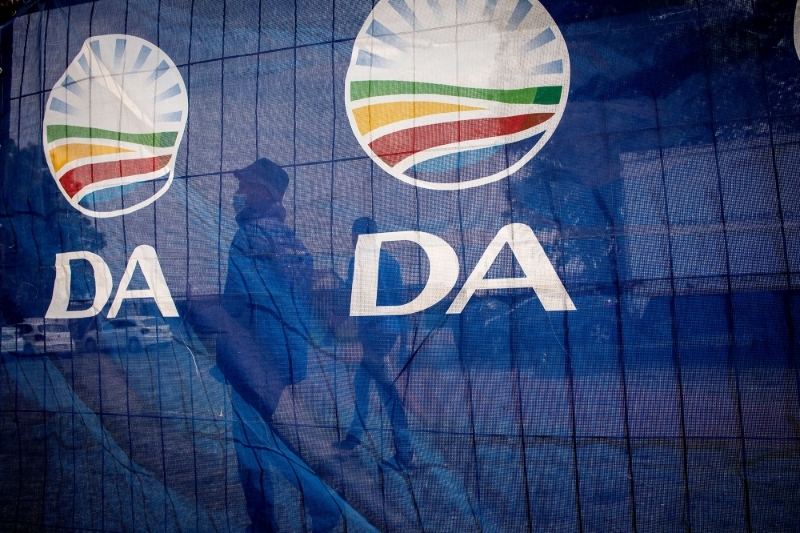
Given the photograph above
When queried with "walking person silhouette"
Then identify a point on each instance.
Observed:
(379, 337)
(263, 347)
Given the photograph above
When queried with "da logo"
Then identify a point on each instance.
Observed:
(113, 124)
(451, 94)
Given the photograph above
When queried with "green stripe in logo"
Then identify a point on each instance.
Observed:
(548, 95)
(163, 139)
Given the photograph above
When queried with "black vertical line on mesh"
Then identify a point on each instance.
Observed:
(294, 120)
(333, 266)
(258, 77)
(333, 150)
(233, 413)
(167, 496)
(71, 359)
(294, 231)
(330, 221)
(406, 366)
(221, 149)
(72, 364)
(382, 475)
(72, 350)
(40, 48)
(568, 366)
(187, 137)
(675, 349)
(465, 372)
(415, 320)
(515, 364)
(464, 368)
(127, 354)
(219, 236)
(44, 18)
(407, 362)
(791, 358)
(384, 496)
(8, 62)
(614, 257)
(99, 367)
(372, 189)
(37, 244)
(731, 344)
(372, 215)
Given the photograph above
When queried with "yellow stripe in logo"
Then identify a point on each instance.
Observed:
(66, 153)
(371, 117)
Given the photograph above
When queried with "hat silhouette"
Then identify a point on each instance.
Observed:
(364, 226)
(265, 173)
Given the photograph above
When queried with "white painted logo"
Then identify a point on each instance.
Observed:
(113, 125)
(539, 273)
(451, 94)
(143, 256)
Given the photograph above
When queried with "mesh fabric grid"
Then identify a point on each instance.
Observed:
(666, 201)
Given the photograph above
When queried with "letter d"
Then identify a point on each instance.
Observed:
(61, 289)
(442, 278)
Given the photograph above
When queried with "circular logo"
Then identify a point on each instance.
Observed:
(113, 124)
(451, 94)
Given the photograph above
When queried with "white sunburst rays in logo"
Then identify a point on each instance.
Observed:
(450, 94)
(113, 123)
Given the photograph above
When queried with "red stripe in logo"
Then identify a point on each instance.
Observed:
(395, 147)
(78, 178)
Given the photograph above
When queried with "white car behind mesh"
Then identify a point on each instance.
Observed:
(132, 334)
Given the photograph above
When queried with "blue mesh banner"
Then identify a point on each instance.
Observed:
(400, 265)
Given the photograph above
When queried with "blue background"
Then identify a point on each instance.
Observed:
(667, 200)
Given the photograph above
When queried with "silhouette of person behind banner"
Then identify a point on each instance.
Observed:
(379, 337)
(264, 345)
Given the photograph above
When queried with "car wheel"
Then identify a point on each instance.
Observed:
(134, 346)
(28, 349)
(90, 345)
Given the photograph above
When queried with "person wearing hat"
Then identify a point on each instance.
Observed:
(267, 302)
(270, 272)
(379, 336)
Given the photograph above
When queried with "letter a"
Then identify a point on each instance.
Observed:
(145, 257)
(61, 289)
(539, 273)
(442, 278)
